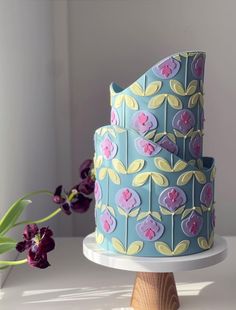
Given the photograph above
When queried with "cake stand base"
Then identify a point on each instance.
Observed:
(154, 287)
(154, 291)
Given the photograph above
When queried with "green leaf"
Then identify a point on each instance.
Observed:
(12, 215)
(160, 179)
(150, 135)
(180, 165)
(177, 87)
(117, 244)
(213, 174)
(157, 101)
(178, 134)
(6, 244)
(136, 166)
(111, 210)
(181, 247)
(122, 212)
(180, 210)
(174, 102)
(140, 179)
(119, 166)
(202, 242)
(198, 210)
(158, 136)
(113, 176)
(162, 164)
(200, 176)
(163, 248)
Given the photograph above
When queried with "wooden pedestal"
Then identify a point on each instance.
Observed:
(154, 291)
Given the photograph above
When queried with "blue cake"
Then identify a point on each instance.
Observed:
(154, 190)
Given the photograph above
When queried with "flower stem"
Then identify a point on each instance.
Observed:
(184, 147)
(150, 196)
(36, 193)
(165, 117)
(44, 219)
(172, 231)
(13, 263)
(186, 73)
(193, 192)
(198, 116)
(126, 232)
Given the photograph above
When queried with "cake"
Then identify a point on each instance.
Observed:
(154, 190)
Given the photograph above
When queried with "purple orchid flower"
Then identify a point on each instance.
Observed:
(38, 242)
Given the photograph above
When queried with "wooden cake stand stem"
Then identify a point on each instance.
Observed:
(154, 291)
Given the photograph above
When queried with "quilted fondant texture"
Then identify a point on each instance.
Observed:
(154, 191)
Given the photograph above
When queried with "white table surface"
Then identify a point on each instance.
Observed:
(73, 282)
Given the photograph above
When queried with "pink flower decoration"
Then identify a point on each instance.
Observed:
(149, 229)
(169, 145)
(172, 198)
(198, 66)
(97, 191)
(192, 225)
(146, 148)
(108, 222)
(195, 146)
(167, 68)
(183, 121)
(114, 117)
(127, 199)
(206, 196)
(108, 148)
(143, 121)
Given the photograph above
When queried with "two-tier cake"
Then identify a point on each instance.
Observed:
(154, 190)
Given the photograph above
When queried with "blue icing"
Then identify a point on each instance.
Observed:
(139, 172)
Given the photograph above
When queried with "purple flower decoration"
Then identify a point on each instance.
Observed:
(143, 121)
(108, 148)
(114, 117)
(38, 242)
(97, 191)
(149, 229)
(206, 196)
(166, 69)
(172, 198)
(183, 121)
(213, 218)
(169, 145)
(85, 168)
(195, 146)
(192, 225)
(86, 186)
(198, 66)
(127, 199)
(108, 222)
(146, 148)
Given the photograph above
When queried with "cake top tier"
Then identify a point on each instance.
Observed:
(165, 104)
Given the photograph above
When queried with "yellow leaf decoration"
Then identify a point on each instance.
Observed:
(151, 89)
(162, 164)
(99, 237)
(114, 176)
(117, 244)
(131, 102)
(186, 213)
(98, 161)
(119, 129)
(178, 134)
(171, 136)
(156, 215)
(136, 165)
(102, 173)
(180, 165)
(192, 87)
(137, 89)
(158, 136)
(157, 101)
(200, 176)
(174, 102)
(181, 247)
(142, 215)
(202, 242)
(163, 248)
(193, 100)
(160, 179)
(150, 135)
(213, 174)
(164, 211)
(177, 87)
(135, 247)
(119, 166)
(126, 99)
(134, 213)
(122, 212)
(184, 178)
(180, 210)
(111, 210)
(140, 179)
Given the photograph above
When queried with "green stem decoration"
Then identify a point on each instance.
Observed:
(172, 160)
(198, 116)
(44, 219)
(13, 263)
(126, 231)
(126, 150)
(193, 192)
(184, 147)
(186, 73)
(172, 231)
(150, 194)
(208, 225)
(165, 116)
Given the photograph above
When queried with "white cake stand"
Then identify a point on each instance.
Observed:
(155, 287)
